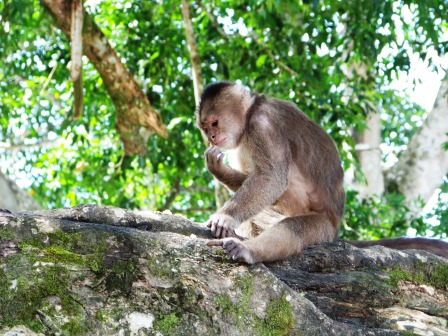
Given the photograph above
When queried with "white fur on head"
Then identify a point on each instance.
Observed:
(247, 99)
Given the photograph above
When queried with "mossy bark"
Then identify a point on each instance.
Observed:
(107, 271)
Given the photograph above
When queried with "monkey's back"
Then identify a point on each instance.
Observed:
(313, 152)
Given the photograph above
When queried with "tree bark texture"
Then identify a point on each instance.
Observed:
(135, 115)
(193, 50)
(94, 270)
(76, 58)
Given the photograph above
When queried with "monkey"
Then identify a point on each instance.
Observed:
(284, 169)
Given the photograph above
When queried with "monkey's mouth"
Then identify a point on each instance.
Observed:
(220, 142)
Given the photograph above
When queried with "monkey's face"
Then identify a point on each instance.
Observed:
(221, 115)
(222, 130)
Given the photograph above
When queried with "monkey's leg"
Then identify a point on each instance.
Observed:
(259, 223)
(287, 238)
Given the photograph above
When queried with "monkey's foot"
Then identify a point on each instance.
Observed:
(234, 249)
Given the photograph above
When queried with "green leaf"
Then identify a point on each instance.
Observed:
(261, 60)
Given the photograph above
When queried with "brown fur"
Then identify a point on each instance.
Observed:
(437, 247)
(283, 162)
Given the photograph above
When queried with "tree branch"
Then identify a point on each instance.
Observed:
(76, 56)
(193, 49)
(134, 112)
(221, 193)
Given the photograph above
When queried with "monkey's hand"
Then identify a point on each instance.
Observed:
(234, 249)
(222, 225)
(214, 158)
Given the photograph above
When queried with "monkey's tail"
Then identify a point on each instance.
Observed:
(435, 246)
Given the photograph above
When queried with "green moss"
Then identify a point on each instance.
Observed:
(224, 303)
(88, 249)
(407, 333)
(439, 277)
(28, 279)
(162, 269)
(246, 284)
(58, 254)
(433, 275)
(122, 276)
(6, 232)
(279, 319)
(36, 241)
(242, 310)
(20, 304)
(167, 324)
(239, 311)
(397, 274)
(101, 316)
(76, 326)
(64, 239)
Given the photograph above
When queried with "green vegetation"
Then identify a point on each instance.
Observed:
(279, 319)
(167, 324)
(6, 233)
(286, 49)
(433, 275)
(30, 279)
(23, 301)
(224, 303)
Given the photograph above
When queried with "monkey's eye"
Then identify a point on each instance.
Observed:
(215, 123)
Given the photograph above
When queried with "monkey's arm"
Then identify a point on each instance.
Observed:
(269, 178)
(232, 178)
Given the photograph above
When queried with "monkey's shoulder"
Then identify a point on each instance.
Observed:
(279, 113)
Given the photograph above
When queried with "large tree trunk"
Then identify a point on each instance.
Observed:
(423, 165)
(14, 198)
(134, 112)
(93, 270)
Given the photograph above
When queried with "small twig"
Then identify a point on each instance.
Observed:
(252, 36)
(4, 145)
(271, 55)
(119, 163)
(173, 193)
(47, 81)
(213, 21)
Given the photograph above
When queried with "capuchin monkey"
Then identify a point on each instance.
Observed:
(285, 171)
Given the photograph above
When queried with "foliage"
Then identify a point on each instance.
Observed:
(387, 217)
(286, 49)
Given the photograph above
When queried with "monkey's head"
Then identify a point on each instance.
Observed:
(221, 113)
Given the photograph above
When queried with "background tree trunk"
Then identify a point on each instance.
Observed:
(14, 198)
(423, 165)
(369, 155)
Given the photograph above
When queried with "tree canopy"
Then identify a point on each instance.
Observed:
(335, 59)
